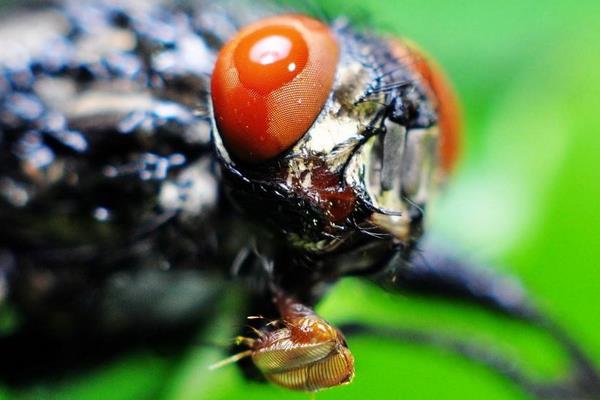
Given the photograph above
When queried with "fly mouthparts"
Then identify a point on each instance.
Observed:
(302, 352)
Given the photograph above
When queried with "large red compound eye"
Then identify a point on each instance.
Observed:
(447, 104)
(270, 83)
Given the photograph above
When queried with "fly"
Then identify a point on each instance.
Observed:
(157, 151)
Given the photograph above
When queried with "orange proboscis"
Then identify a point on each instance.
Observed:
(306, 353)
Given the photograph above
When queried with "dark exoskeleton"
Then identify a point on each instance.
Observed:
(123, 214)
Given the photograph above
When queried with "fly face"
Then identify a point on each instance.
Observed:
(350, 155)
(333, 138)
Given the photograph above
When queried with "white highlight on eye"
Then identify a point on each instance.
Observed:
(271, 49)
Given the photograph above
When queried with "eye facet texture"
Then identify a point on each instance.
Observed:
(270, 83)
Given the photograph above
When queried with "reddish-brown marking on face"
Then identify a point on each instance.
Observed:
(336, 198)
(270, 83)
(447, 103)
(327, 191)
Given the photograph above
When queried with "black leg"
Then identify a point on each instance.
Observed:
(436, 274)
(478, 353)
(432, 273)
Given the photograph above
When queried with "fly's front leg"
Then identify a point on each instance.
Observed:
(437, 274)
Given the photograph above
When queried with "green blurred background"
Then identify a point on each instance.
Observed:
(525, 197)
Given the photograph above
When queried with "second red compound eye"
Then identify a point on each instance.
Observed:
(270, 83)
